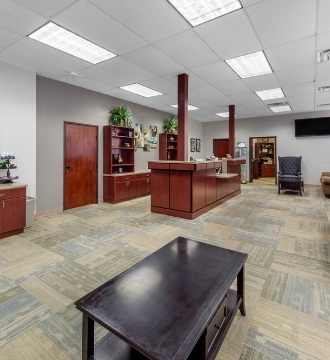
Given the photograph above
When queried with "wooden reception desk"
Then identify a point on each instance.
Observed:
(188, 189)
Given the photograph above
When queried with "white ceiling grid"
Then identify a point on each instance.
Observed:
(154, 44)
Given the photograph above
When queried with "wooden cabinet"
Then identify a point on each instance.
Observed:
(121, 187)
(144, 184)
(118, 149)
(12, 210)
(168, 146)
(268, 170)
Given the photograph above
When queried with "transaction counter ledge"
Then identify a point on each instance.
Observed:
(188, 189)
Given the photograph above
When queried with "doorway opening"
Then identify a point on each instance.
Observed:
(263, 159)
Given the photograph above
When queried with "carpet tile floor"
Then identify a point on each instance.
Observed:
(66, 255)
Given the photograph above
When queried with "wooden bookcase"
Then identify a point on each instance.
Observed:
(118, 141)
(168, 146)
(265, 149)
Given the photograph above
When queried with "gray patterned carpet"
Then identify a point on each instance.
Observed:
(65, 255)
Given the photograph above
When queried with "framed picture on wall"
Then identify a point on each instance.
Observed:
(192, 145)
(198, 145)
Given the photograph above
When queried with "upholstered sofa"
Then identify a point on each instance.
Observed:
(325, 182)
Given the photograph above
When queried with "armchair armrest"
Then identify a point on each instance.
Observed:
(325, 180)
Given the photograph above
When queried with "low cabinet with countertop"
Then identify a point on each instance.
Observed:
(12, 209)
(125, 186)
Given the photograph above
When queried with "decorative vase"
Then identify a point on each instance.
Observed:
(122, 123)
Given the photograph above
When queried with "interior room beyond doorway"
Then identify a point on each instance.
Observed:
(262, 158)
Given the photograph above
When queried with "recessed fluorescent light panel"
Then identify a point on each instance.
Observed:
(141, 90)
(225, 114)
(190, 107)
(270, 94)
(197, 12)
(64, 40)
(254, 64)
(280, 107)
(323, 105)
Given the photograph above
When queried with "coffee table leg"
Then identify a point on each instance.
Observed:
(87, 338)
(240, 290)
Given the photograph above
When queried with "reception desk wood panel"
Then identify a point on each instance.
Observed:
(188, 189)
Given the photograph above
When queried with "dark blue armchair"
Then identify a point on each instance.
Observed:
(289, 176)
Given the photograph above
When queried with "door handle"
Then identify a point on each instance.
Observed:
(69, 167)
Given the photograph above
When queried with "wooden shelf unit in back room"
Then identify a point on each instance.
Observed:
(168, 146)
(266, 150)
(120, 182)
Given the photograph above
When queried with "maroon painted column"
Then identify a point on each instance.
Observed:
(232, 130)
(182, 117)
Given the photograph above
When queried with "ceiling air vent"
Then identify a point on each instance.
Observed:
(323, 55)
(280, 107)
(323, 88)
(323, 105)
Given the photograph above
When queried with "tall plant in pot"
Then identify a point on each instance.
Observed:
(171, 124)
(120, 115)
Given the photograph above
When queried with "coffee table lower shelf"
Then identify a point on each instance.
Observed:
(111, 347)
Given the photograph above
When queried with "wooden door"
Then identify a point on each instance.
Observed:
(221, 148)
(80, 165)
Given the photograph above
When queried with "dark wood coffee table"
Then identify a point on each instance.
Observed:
(174, 304)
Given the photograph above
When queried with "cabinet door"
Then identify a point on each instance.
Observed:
(132, 188)
(12, 214)
(121, 190)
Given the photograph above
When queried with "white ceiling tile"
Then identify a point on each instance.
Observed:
(104, 77)
(188, 49)
(39, 52)
(19, 19)
(322, 98)
(232, 87)
(226, 38)
(255, 106)
(108, 33)
(292, 55)
(143, 15)
(121, 94)
(324, 11)
(323, 71)
(247, 3)
(161, 85)
(47, 8)
(216, 73)
(8, 37)
(154, 60)
(299, 89)
(263, 82)
(167, 99)
(222, 101)
(245, 98)
(300, 75)
(85, 83)
(127, 69)
(207, 92)
(282, 21)
(298, 99)
(303, 107)
(323, 42)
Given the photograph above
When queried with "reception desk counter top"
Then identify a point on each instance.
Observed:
(188, 189)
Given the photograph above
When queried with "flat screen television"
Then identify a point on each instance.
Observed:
(312, 127)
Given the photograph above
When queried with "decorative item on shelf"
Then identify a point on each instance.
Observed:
(171, 138)
(120, 159)
(120, 115)
(115, 157)
(114, 132)
(8, 163)
(120, 169)
(130, 133)
(127, 144)
(171, 125)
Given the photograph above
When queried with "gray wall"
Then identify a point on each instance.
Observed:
(58, 102)
(314, 150)
(18, 122)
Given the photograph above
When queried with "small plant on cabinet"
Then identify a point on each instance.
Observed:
(120, 115)
(171, 124)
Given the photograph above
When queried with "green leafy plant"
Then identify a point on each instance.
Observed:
(171, 124)
(120, 113)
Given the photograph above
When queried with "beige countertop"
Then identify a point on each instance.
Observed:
(12, 185)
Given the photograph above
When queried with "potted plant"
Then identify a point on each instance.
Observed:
(120, 115)
(171, 124)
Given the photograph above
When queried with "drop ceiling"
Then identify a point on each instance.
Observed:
(154, 44)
